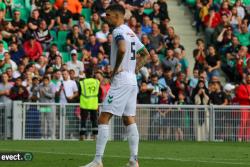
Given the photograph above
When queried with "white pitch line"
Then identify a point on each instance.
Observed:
(143, 158)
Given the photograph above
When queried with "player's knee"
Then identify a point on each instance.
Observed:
(128, 120)
(104, 118)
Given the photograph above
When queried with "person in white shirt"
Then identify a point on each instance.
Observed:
(67, 90)
(102, 35)
(75, 64)
(126, 49)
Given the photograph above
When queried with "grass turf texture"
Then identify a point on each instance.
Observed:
(152, 154)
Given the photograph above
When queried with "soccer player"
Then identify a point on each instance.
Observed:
(121, 98)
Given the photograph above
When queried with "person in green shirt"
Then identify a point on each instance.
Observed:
(244, 36)
(2, 6)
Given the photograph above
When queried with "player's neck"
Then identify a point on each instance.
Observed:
(119, 23)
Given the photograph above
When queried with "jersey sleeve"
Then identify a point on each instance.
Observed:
(139, 46)
(118, 35)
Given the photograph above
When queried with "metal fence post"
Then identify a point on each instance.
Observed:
(211, 123)
(63, 124)
(18, 120)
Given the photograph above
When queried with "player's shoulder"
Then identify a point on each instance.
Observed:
(120, 30)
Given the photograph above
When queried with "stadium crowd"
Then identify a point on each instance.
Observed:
(46, 44)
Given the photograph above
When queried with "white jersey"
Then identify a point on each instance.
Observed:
(133, 45)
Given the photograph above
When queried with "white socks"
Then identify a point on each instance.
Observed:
(133, 140)
(102, 138)
(101, 141)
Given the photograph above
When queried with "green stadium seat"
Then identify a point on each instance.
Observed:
(65, 57)
(74, 22)
(61, 39)
(148, 11)
(62, 36)
(191, 2)
(79, 56)
(24, 14)
(86, 12)
(53, 34)
(246, 2)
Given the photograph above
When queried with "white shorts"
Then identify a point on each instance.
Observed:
(121, 100)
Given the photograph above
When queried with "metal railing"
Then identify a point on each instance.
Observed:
(5, 122)
(155, 122)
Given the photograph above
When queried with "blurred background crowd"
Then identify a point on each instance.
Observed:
(44, 42)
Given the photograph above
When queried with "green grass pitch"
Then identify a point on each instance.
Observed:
(151, 154)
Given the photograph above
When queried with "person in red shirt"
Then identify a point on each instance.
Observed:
(211, 21)
(243, 97)
(32, 48)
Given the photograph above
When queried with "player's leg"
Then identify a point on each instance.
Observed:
(132, 131)
(102, 137)
(133, 137)
(101, 140)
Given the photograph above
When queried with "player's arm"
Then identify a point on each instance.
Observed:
(142, 59)
(121, 45)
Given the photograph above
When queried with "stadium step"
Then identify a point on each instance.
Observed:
(181, 19)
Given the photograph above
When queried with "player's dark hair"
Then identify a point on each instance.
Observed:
(116, 8)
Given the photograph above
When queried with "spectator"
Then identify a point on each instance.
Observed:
(32, 48)
(240, 9)
(5, 87)
(146, 25)
(107, 45)
(218, 97)
(211, 21)
(139, 14)
(183, 62)
(7, 62)
(212, 63)
(100, 6)
(154, 66)
(19, 92)
(225, 23)
(155, 90)
(83, 24)
(171, 61)
(47, 95)
(2, 50)
(67, 90)
(19, 72)
(42, 35)
(156, 38)
(75, 64)
(48, 14)
(243, 97)
(244, 35)
(144, 94)
(33, 21)
(101, 36)
(75, 39)
(74, 6)
(95, 22)
(16, 53)
(52, 53)
(146, 42)
(156, 16)
(34, 94)
(193, 81)
(94, 47)
(104, 85)
(169, 39)
(64, 18)
(17, 22)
